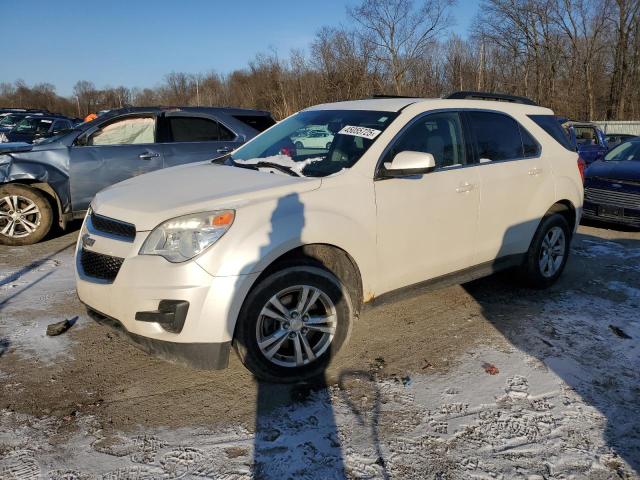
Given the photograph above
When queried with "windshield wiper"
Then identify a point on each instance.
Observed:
(275, 166)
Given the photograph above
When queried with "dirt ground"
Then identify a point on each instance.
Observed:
(436, 386)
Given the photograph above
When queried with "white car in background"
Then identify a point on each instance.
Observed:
(276, 251)
(320, 139)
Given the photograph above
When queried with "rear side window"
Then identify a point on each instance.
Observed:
(529, 144)
(551, 125)
(194, 129)
(497, 136)
(257, 122)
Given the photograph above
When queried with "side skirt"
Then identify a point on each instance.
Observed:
(455, 278)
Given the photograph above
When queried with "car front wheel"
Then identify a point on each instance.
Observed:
(293, 323)
(25, 215)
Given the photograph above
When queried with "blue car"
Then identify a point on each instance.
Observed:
(612, 186)
(589, 140)
(56, 179)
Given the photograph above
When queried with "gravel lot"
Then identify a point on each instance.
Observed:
(484, 380)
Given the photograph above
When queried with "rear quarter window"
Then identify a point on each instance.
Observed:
(551, 125)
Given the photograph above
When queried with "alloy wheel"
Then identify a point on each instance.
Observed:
(296, 326)
(552, 252)
(19, 216)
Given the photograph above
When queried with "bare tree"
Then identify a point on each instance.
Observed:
(399, 33)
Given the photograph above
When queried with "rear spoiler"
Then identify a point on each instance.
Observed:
(15, 147)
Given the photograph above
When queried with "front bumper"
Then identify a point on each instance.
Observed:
(128, 296)
(206, 356)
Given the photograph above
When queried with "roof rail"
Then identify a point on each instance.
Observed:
(384, 95)
(501, 97)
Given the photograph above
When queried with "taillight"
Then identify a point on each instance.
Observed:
(582, 165)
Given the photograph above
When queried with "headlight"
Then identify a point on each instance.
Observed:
(182, 238)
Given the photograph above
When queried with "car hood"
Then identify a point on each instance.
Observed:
(14, 147)
(150, 199)
(624, 170)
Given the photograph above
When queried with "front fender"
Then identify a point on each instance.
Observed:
(16, 169)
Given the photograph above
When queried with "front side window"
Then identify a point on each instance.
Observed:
(127, 131)
(439, 134)
(293, 146)
(623, 152)
(194, 129)
(497, 136)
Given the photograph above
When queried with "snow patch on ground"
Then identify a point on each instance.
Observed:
(26, 296)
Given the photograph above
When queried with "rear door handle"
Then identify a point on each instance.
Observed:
(535, 171)
(148, 155)
(465, 187)
(224, 150)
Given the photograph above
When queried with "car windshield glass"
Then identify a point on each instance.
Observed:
(10, 120)
(315, 143)
(37, 125)
(624, 151)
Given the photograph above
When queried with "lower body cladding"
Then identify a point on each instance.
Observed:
(176, 311)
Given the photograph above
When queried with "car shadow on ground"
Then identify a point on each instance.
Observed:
(284, 446)
(584, 348)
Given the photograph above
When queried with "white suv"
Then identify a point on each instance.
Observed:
(275, 251)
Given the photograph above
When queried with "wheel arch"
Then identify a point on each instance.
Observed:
(50, 194)
(330, 257)
(568, 210)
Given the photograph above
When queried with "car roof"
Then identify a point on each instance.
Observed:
(396, 104)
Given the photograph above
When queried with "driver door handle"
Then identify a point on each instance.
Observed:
(148, 155)
(465, 187)
(535, 171)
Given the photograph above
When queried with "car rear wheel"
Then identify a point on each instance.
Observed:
(293, 323)
(299, 145)
(548, 253)
(25, 215)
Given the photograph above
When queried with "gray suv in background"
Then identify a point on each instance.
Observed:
(57, 178)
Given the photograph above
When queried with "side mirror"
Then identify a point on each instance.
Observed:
(408, 163)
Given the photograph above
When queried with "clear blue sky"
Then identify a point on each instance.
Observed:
(136, 42)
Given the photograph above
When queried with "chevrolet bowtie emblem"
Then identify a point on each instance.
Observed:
(87, 241)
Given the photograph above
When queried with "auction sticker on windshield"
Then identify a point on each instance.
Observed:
(363, 132)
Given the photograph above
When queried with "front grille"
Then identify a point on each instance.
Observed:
(123, 230)
(98, 265)
(610, 197)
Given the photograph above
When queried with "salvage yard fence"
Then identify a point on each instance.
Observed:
(629, 127)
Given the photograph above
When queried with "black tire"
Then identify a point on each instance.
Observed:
(246, 335)
(42, 221)
(328, 145)
(299, 145)
(531, 271)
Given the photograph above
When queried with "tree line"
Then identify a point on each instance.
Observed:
(579, 57)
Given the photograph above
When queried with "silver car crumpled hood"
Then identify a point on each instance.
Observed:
(150, 199)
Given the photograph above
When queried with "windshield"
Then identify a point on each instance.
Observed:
(10, 119)
(624, 151)
(315, 143)
(34, 125)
